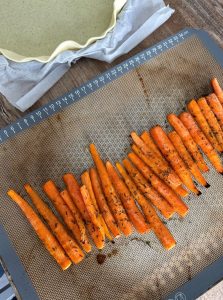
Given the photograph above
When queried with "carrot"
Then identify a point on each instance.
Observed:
(170, 153)
(80, 223)
(157, 200)
(93, 216)
(44, 234)
(196, 112)
(156, 162)
(53, 194)
(147, 161)
(85, 177)
(181, 191)
(178, 205)
(113, 200)
(100, 198)
(90, 206)
(201, 140)
(217, 89)
(132, 210)
(75, 193)
(146, 137)
(216, 107)
(158, 227)
(188, 141)
(185, 155)
(67, 242)
(211, 119)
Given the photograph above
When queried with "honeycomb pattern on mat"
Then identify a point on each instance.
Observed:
(141, 269)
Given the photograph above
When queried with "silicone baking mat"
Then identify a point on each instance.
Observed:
(134, 95)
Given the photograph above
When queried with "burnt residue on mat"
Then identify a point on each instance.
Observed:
(101, 258)
(147, 243)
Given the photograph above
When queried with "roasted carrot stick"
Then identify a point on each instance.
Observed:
(170, 153)
(93, 216)
(185, 155)
(101, 201)
(44, 234)
(132, 210)
(145, 136)
(67, 242)
(217, 89)
(201, 140)
(196, 112)
(188, 141)
(75, 193)
(211, 119)
(54, 195)
(178, 205)
(90, 206)
(74, 210)
(85, 177)
(147, 161)
(157, 200)
(159, 228)
(216, 107)
(156, 162)
(113, 200)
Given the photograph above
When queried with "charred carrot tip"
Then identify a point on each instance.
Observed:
(221, 173)
(207, 185)
(199, 193)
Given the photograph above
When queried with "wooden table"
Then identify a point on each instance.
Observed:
(205, 14)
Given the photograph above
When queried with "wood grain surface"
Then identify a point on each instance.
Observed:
(202, 14)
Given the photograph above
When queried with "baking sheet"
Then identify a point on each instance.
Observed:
(136, 267)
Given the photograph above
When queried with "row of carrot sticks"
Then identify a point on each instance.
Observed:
(111, 201)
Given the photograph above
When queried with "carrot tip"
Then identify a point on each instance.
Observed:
(113, 242)
(207, 185)
(199, 193)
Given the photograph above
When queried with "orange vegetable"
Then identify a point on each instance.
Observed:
(160, 230)
(75, 193)
(85, 177)
(185, 155)
(178, 205)
(93, 216)
(201, 140)
(147, 161)
(181, 191)
(80, 223)
(54, 195)
(158, 164)
(211, 119)
(170, 153)
(111, 195)
(217, 89)
(157, 200)
(216, 107)
(188, 141)
(145, 136)
(132, 210)
(44, 234)
(66, 241)
(101, 201)
(196, 112)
